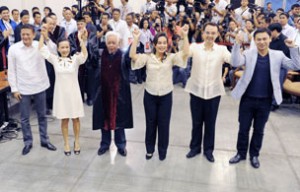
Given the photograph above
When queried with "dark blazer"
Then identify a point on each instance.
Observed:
(17, 32)
(124, 105)
(3, 44)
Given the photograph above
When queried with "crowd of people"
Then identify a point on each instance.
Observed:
(92, 55)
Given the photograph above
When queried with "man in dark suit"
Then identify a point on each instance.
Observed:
(24, 20)
(259, 83)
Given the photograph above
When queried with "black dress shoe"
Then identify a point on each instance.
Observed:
(101, 151)
(254, 162)
(237, 158)
(49, 146)
(209, 157)
(149, 156)
(192, 154)
(89, 102)
(67, 153)
(122, 152)
(162, 157)
(26, 149)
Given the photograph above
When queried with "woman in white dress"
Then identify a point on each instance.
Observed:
(67, 101)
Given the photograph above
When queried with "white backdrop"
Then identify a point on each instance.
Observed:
(57, 5)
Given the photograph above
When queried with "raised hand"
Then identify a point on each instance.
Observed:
(185, 30)
(290, 43)
(84, 34)
(136, 34)
(44, 31)
(239, 38)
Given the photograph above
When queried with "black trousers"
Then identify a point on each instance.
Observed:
(254, 110)
(120, 138)
(203, 112)
(158, 114)
(50, 90)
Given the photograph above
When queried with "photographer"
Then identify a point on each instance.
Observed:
(96, 9)
(219, 10)
(243, 12)
(170, 10)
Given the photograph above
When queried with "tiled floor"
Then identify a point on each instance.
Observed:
(42, 170)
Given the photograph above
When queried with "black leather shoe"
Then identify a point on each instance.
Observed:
(26, 149)
(209, 157)
(67, 153)
(237, 158)
(192, 154)
(89, 102)
(149, 156)
(122, 152)
(101, 151)
(254, 162)
(49, 146)
(162, 157)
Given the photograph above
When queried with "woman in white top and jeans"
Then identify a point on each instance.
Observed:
(158, 88)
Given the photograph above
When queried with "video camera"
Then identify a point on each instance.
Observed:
(160, 6)
(254, 7)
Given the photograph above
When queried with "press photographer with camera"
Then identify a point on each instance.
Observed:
(219, 10)
(170, 10)
(243, 12)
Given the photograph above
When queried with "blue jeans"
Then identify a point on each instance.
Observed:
(40, 106)
(254, 110)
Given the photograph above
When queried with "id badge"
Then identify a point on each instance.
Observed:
(147, 47)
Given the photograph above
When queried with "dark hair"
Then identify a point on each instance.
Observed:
(155, 41)
(33, 8)
(24, 13)
(75, 6)
(51, 14)
(44, 20)
(62, 40)
(35, 14)
(50, 10)
(87, 13)
(251, 21)
(116, 9)
(269, 3)
(280, 9)
(67, 8)
(275, 27)
(28, 26)
(3, 8)
(285, 14)
(272, 15)
(131, 15)
(14, 10)
(107, 14)
(142, 23)
(210, 24)
(295, 6)
(262, 30)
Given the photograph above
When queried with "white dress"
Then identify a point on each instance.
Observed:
(67, 101)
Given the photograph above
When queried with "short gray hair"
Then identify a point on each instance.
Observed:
(112, 33)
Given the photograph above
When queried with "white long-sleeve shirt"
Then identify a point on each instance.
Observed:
(27, 72)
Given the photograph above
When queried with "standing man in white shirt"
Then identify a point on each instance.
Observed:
(243, 13)
(120, 26)
(69, 23)
(125, 8)
(28, 79)
(170, 10)
(206, 87)
(287, 30)
(218, 10)
(148, 7)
